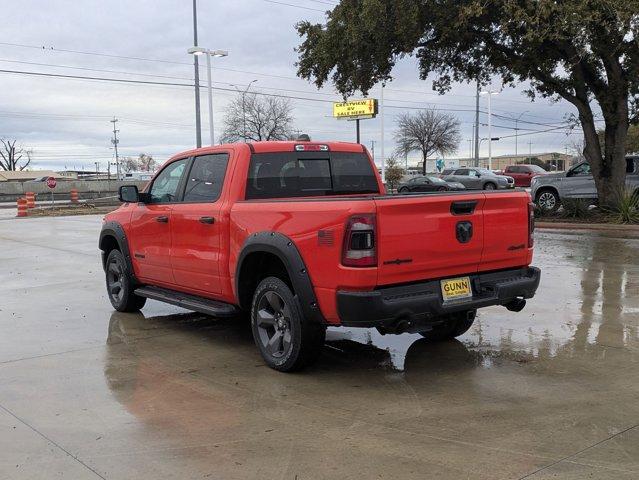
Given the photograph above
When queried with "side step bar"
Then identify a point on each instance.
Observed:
(190, 302)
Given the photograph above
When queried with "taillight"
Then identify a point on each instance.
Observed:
(531, 224)
(360, 248)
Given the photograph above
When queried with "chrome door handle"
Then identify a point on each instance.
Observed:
(162, 219)
(207, 220)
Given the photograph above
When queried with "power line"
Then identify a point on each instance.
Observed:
(296, 6)
(99, 54)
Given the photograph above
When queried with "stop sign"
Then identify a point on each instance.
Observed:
(51, 183)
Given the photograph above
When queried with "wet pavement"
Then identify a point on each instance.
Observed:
(85, 392)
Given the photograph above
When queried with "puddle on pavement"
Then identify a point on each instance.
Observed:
(589, 295)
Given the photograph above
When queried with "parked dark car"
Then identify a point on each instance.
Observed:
(428, 183)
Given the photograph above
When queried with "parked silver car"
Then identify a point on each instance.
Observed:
(549, 190)
(480, 179)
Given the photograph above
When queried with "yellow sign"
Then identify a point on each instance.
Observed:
(356, 108)
(456, 288)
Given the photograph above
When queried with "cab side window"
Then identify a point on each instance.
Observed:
(583, 169)
(206, 178)
(462, 171)
(165, 186)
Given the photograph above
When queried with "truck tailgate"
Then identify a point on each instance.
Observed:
(443, 235)
(418, 239)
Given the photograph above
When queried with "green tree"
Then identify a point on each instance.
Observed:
(585, 51)
(393, 172)
(427, 132)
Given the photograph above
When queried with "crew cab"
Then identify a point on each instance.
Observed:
(523, 174)
(302, 236)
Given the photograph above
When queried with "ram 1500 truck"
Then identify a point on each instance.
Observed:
(302, 236)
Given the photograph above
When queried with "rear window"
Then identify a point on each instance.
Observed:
(309, 174)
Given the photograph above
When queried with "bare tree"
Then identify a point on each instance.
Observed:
(250, 117)
(14, 158)
(144, 163)
(428, 132)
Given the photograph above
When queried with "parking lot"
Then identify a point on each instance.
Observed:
(86, 392)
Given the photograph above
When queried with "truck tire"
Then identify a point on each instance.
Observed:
(402, 190)
(286, 340)
(490, 186)
(548, 200)
(456, 325)
(119, 285)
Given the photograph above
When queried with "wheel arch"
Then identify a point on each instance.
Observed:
(112, 236)
(546, 188)
(263, 254)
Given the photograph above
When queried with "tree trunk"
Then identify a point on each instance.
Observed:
(424, 157)
(609, 167)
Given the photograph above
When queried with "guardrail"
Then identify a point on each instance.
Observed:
(11, 191)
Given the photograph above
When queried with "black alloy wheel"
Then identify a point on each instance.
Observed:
(119, 285)
(286, 339)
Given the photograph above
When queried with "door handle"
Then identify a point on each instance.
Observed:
(162, 219)
(207, 220)
(463, 207)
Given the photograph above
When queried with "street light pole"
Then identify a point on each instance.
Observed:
(210, 88)
(490, 93)
(197, 51)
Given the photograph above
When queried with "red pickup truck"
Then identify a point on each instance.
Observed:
(303, 236)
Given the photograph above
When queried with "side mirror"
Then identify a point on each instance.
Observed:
(128, 194)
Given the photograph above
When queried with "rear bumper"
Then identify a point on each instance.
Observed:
(421, 302)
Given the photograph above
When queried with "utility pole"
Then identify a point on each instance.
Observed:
(530, 148)
(115, 142)
(517, 130)
(198, 122)
(381, 108)
(477, 126)
(373, 149)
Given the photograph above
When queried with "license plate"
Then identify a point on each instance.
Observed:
(456, 288)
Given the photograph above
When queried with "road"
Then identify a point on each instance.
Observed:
(88, 393)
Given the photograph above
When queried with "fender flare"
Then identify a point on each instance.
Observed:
(283, 247)
(115, 230)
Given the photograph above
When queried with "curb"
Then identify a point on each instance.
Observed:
(631, 231)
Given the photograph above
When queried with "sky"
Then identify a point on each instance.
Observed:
(66, 121)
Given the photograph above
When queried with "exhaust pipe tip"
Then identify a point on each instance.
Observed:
(401, 327)
(516, 305)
